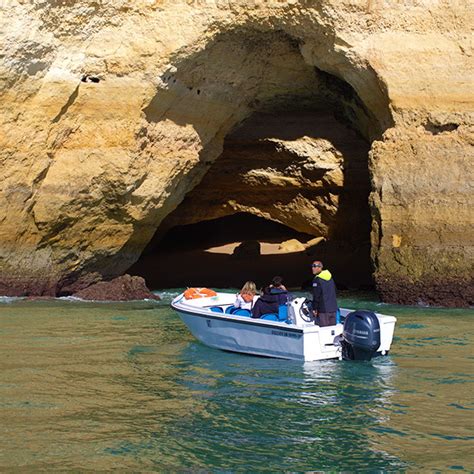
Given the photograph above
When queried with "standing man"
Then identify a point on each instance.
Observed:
(324, 295)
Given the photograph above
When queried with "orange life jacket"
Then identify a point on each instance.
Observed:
(193, 293)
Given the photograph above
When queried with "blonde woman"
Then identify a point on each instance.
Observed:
(246, 297)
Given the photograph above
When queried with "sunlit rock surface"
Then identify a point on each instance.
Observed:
(113, 112)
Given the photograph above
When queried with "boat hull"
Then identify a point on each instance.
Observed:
(246, 338)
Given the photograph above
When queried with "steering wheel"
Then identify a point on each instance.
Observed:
(306, 314)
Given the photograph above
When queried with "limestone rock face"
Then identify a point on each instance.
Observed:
(422, 239)
(114, 113)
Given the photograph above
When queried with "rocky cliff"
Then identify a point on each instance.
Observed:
(114, 111)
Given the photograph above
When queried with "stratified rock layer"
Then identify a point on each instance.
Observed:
(114, 111)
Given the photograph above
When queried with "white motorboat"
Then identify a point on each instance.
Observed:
(290, 334)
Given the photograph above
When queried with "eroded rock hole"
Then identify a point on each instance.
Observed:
(88, 78)
(437, 128)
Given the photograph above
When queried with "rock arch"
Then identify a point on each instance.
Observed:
(307, 122)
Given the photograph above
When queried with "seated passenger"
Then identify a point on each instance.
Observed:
(267, 303)
(278, 288)
(245, 299)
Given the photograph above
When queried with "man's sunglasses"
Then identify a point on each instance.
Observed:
(316, 266)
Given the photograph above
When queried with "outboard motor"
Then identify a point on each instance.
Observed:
(360, 336)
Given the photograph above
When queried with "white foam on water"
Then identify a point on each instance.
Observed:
(167, 296)
(80, 300)
(10, 299)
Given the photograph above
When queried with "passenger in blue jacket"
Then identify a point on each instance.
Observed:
(278, 288)
(324, 296)
(267, 303)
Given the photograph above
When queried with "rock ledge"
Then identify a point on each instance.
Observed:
(123, 288)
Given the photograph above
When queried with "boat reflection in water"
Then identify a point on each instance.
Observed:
(313, 415)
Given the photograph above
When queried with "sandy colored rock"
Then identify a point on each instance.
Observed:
(292, 245)
(115, 113)
(313, 242)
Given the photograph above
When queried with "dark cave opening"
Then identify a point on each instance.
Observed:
(295, 157)
(306, 172)
(225, 230)
(203, 254)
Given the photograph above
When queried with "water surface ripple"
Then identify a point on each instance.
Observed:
(125, 386)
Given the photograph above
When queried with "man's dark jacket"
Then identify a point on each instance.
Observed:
(324, 293)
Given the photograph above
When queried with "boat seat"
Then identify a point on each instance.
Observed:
(282, 315)
(270, 317)
(237, 311)
(242, 312)
(216, 309)
(282, 312)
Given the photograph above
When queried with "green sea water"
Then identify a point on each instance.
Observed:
(105, 386)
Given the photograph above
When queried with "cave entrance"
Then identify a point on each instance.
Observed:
(297, 183)
(271, 135)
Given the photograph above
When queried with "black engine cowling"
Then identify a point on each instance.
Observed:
(360, 336)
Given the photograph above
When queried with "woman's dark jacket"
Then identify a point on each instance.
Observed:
(267, 303)
(282, 295)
